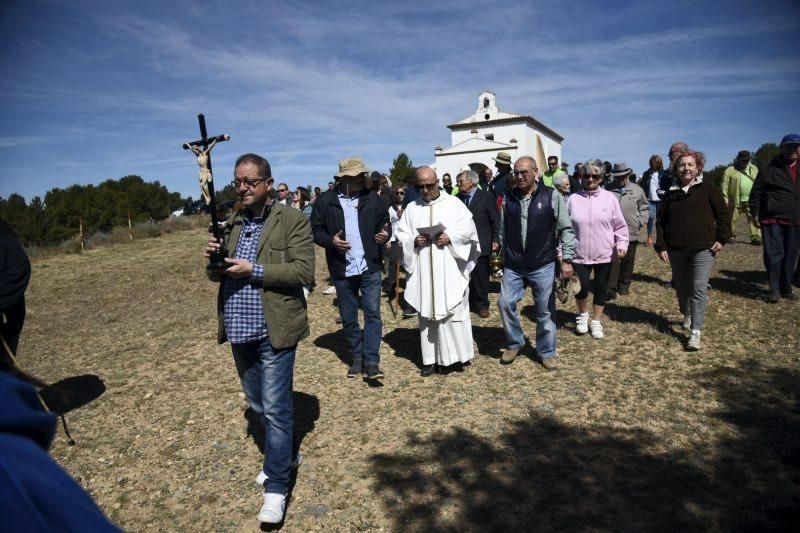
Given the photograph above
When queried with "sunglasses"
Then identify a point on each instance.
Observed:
(282, 190)
(592, 177)
(248, 183)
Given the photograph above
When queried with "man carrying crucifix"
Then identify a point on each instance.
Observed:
(440, 247)
(262, 312)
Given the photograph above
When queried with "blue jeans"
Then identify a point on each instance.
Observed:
(266, 375)
(363, 345)
(512, 289)
(651, 219)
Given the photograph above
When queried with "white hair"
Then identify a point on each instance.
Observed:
(470, 175)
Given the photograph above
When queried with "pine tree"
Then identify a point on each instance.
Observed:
(402, 169)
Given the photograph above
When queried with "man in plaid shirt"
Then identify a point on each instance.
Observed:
(262, 312)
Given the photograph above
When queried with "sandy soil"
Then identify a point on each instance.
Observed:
(630, 433)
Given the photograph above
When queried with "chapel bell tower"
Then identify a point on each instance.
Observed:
(487, 107)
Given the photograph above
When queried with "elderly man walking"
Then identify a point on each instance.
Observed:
(352, 223)
(484, 214)
(440, 246)
(737, 182)
(533, 220)
(775, 206)
(636, 211)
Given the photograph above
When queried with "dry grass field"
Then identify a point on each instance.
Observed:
(630, 433)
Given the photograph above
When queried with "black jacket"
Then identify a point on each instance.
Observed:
(487, 220)
(664, 182)
(327, 219)
(774, 195)
(499, 184)
(692, 220)
(15, 272)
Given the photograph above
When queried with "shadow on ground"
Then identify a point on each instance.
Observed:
(646, 278)
(405, 343)
(545, 475)
(748, 283)
(635, 315)
(72, 393)
(306, 413)
(336, 343)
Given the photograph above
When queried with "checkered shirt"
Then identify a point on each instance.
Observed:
(242, 309)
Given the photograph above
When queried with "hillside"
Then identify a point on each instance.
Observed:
(630, 432)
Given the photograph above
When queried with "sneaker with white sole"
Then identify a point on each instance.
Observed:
(330, 290)
(687, 322)
(273, 509)
(582, 323)
(596, 327)
(694, 341)
(294, 465)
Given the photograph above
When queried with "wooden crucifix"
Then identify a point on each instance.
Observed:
(202, 149)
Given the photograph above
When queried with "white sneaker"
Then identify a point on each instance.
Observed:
(694, 341)
(330, 290)
(582, 323)
(294, 465)
(687, 322)
(272, 510)
(596, 327)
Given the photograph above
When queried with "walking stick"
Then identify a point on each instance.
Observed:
(397, 276)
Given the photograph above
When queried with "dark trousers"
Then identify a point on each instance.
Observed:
(781, 250)
(619, 280)
(364, 345)
(600, 289)
(479, 284)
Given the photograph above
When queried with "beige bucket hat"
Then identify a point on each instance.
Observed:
(351, 167)
(503, 158)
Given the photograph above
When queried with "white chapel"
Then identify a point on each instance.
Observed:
(482, 135)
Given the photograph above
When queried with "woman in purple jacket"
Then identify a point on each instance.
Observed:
(601, 232)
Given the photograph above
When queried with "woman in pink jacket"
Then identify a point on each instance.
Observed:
(601, 232)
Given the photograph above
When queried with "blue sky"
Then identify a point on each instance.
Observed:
(98, 90)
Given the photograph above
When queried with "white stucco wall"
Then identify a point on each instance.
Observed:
(525, 135)
(528, 140)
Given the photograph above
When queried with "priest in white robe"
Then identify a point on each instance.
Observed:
(438, 263)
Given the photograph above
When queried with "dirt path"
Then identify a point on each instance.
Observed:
(630, 432)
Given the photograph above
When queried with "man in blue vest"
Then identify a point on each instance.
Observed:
(534, 221)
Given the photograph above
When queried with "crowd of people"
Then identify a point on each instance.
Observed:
(561, 235)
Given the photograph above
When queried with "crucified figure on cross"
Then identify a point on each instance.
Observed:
(205, 172)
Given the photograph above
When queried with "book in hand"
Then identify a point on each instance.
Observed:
(432, 231)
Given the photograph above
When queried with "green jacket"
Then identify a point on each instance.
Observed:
(548, 176)
(286, 250)
(733, 188)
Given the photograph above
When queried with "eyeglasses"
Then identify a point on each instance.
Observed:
(400, 193)
(426, 186)
(248, 183)
(522, 173)
(592, 177)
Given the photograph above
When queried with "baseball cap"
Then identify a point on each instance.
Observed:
(792, 138)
